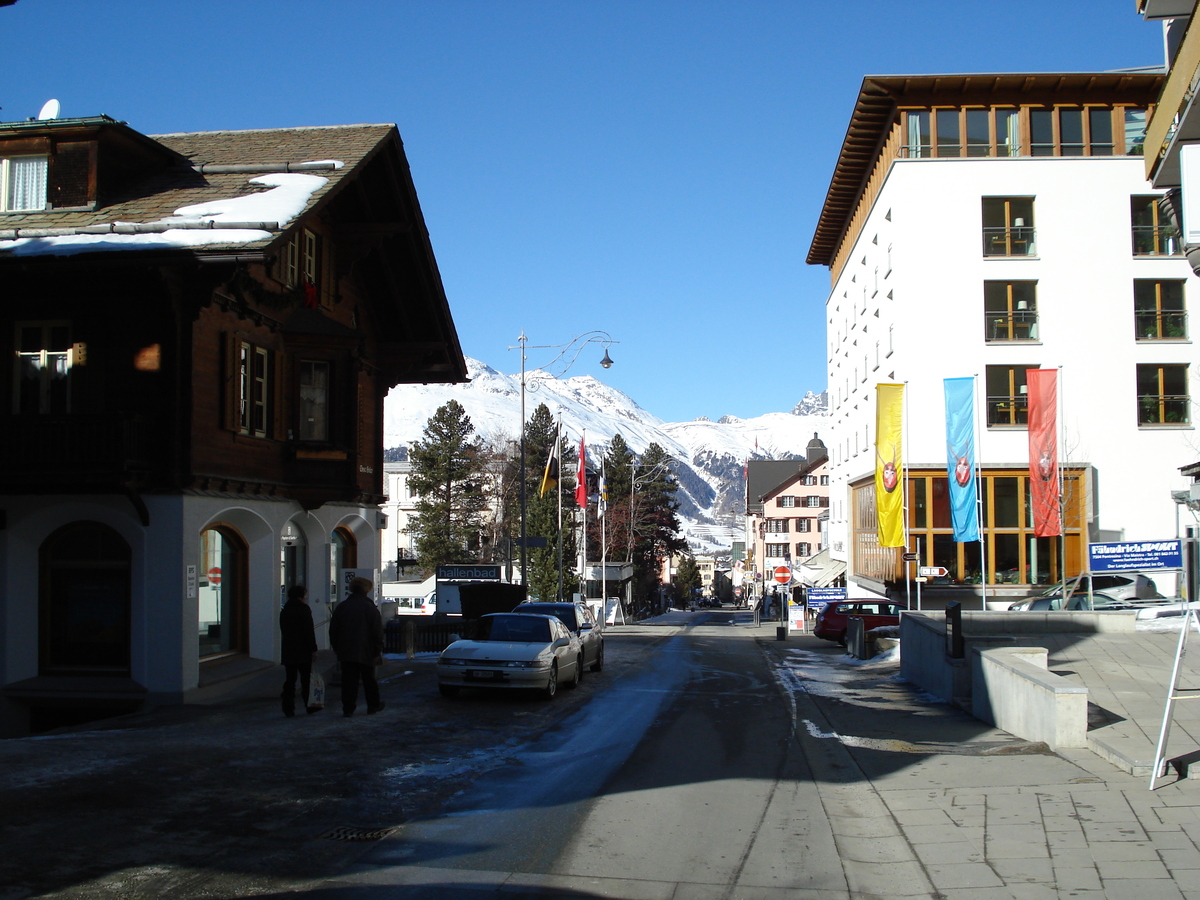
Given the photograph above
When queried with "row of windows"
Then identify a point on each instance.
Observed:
(782, 551)
(1162, 394)
(1024, 131)
(782, 526)
(1008, 226)
(45, 357)
(787, 501)
(1010, 310)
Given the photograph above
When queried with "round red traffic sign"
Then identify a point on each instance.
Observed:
(214, 575)
(782, 574)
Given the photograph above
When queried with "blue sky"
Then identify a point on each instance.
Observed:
(652, 168)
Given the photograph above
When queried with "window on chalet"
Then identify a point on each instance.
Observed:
(825, 479)
(804, 550)
(254, 372)
(314, 400)
(23, 183)
(1071, 131)
(813, 501)
(43, 368)
(776, 551)
(803, 525)
(300, 265)
(776, 526)
(785, 502)
(810, 479)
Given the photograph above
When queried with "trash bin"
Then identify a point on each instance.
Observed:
(781, 632)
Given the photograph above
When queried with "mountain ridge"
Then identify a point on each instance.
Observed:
(709, 455)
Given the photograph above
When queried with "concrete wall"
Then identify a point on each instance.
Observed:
(1012, 689)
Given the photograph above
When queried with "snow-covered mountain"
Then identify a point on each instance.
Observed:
(710, 455)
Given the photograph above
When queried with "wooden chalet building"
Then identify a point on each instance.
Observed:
(201, 331)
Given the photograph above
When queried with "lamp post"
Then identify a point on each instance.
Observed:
(578, 343)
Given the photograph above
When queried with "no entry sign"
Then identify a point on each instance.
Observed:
(782, 574)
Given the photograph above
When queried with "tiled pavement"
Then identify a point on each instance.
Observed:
(1079, 823)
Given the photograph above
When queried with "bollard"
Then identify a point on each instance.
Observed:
(781, 632)
(954, 635)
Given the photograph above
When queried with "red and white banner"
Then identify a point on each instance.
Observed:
(1043, 451)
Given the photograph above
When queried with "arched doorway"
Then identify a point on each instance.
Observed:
(223, 604)
(84, 609)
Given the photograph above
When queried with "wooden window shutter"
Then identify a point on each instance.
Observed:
(278, 413)
(231, 385)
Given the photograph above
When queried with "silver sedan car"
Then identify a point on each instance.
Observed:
(513, 651)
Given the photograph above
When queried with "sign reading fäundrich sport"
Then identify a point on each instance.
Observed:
(1130, 556)
(818, 597)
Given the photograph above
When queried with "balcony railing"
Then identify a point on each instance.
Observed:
(1156, 240)
(1018, 325)
(1006, 410)
(1015, 241)
(1160, 326)
(1164, 409)
(71, 448)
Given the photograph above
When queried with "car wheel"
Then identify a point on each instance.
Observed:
(551, 687)
(599, 663)
(578, 672)
(448, 690)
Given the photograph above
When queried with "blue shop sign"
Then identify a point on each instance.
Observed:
(821, 596)
(1135, 556)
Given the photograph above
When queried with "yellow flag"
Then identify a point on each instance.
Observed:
(889, 463)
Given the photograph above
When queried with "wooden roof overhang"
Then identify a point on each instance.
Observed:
(881, 97)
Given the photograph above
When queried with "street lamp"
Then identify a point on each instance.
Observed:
(577, 343)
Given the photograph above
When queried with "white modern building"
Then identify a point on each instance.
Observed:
(983, 225)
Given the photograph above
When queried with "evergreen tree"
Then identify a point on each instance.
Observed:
(687, 577)
(448, 478)
(656, 528)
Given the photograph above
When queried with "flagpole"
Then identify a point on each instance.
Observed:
(600, 509)
(980, 527)
(581, 491)
(557, 449)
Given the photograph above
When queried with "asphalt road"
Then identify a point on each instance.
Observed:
(695, 766)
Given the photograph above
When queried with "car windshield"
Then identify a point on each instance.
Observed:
(519, 629)
(564, 614)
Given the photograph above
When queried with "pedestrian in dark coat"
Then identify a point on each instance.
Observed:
(298, 647)
(356, 633)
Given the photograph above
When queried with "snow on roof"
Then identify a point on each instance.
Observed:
(286, 199)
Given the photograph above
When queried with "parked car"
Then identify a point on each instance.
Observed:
(513, 651)
(1106, 586)
(580, 621)
(1082, 602)
(831, 621)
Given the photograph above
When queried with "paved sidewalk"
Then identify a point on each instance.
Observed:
(966, 811)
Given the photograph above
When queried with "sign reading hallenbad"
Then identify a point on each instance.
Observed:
(468, 572)
(1130, 556)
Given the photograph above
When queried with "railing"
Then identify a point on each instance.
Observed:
(93, 447)
(423, 635)
(1018, 325)
(1156, 240)
(1160, 326)
(1015, 241)
(1006, 410)
(1164, 409)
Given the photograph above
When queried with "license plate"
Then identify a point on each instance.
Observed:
(484, 674)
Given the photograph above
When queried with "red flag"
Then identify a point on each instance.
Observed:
(581, 479)
(1043, 451)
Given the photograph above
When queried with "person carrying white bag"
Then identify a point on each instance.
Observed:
(297, 651)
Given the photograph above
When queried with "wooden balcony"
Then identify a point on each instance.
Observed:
(69, 452)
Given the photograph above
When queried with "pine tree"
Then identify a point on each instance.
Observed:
(687, 577)
(448, 478)
(656, 528)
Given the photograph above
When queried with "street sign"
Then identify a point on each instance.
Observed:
(1130, 556)
(782, 574)
(910, 557)
(931, 571)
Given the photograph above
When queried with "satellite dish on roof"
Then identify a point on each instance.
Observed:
(50, 110)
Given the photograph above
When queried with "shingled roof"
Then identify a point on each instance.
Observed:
(344, 150)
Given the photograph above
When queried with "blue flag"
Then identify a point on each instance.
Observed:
(960, 458)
